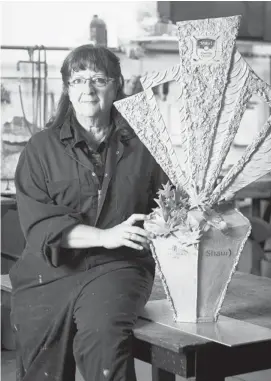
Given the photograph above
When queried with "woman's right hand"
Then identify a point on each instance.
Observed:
(125, 234)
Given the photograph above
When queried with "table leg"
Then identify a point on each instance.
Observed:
(162, 375)
(256, 207)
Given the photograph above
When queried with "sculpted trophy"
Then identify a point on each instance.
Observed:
(199, 234)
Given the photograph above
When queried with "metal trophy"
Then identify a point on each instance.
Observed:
(199, 236)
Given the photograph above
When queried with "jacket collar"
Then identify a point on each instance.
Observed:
(66, 132)
(69, 134)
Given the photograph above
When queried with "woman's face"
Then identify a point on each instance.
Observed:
(95, 97)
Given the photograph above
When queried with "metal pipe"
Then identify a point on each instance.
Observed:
(19, 77)
(29, 61)
(270, 79)
(31, 56)
(35, 47)
(45, 95)
(38, 97)
(25, 47)
(255, 55)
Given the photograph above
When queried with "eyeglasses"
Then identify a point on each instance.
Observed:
(96, 81)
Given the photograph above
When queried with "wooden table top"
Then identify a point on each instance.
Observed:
(260, 189)
(7, 200)
(248, 298)
(6, 204)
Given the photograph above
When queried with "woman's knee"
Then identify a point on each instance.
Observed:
(105, 327)
(102, 340)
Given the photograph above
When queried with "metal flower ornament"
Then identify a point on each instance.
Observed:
(214, 85)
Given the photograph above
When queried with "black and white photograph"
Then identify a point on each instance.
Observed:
(135, 190)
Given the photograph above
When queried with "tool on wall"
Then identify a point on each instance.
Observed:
(38, 88)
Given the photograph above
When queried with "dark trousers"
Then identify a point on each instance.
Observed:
(86, 318)
(105, 313)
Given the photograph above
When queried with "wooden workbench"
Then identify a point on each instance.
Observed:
(171, 352)
(258, 191)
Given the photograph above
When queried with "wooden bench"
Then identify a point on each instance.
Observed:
(171, 352)
(5, 283)
(7, 337)
(258, 191)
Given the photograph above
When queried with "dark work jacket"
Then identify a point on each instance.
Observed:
(57, 189)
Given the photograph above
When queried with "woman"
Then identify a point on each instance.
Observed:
(84, 187)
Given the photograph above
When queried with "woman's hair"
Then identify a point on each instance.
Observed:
(82, 58)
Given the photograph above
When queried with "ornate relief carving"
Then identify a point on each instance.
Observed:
(214, 85)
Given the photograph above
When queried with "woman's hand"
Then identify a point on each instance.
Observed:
(125, 234)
